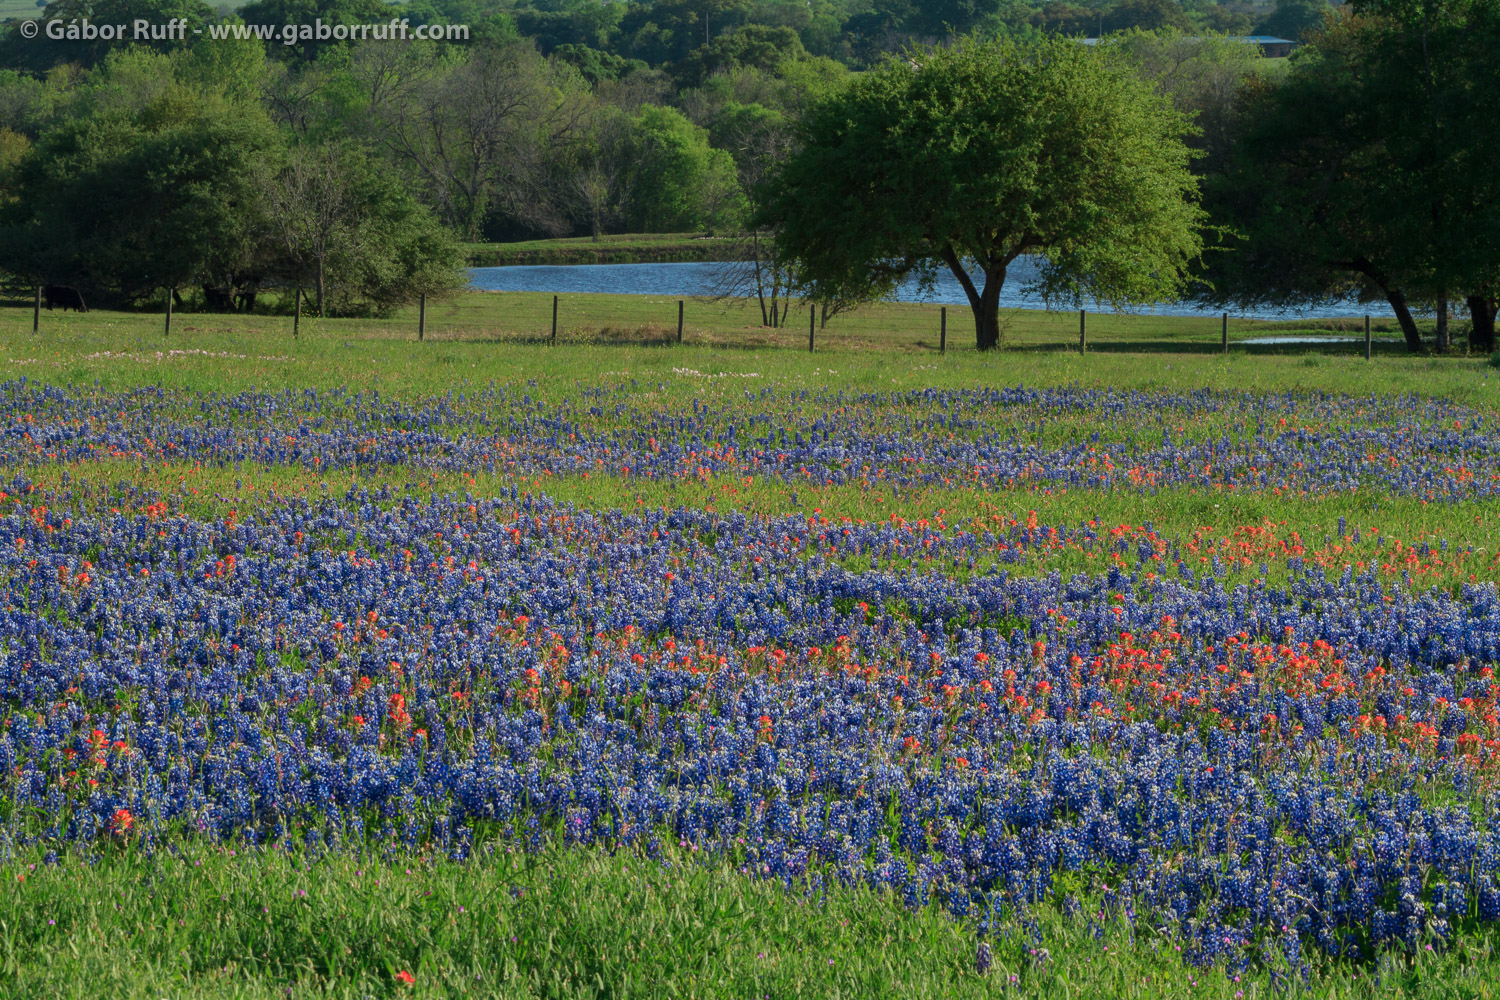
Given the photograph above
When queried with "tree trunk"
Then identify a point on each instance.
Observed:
(320, 287)
(988, 319)
(1482, 311)
(760, 283)
(985, 304)
(1397, 299)
(1443, 341)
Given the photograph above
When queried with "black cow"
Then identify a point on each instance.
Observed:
(62, 295)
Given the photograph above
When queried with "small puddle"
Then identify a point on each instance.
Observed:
(1319, 340)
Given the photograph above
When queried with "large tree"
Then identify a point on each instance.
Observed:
(480, 133)
(127, 204)
(334, 220)
(677, 181)
(971, 156)
(1369, 168)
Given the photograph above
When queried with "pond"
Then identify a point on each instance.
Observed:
(1319, 340)
(702, 279)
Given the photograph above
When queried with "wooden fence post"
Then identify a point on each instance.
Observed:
(1368, 344)
(1224, 332)
(679, 320)
(36, 311)
(812, 326)
(422, 317)
(1083, 328)
(167, 330)
(554, 319)
(297, 313)
(943, 332)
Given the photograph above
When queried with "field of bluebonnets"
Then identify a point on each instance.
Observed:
(532, 657)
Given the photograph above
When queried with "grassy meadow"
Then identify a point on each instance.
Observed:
(482, 336)
(194, 919)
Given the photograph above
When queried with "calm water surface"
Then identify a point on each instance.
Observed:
(695, 279)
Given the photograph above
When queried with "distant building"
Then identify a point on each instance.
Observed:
(1270, 46)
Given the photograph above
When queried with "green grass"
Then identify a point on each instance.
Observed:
(478, 337)
(120, 924)
(577, 924)
(1215, 521)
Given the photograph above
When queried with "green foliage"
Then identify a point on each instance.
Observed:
(279, 12)
(1365, 169)
(981, 153)
(754, 45)
(668, 30)
(577, 24)
(1205, 76)
(233, 68)
(131, 203)
(1293, 19)
(1147, 15)
(13, 147)
(679, 182)
(597, 66)
(42, 52)
(335, 221)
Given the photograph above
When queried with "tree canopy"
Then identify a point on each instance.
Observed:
(1369, 169)
(970, 156)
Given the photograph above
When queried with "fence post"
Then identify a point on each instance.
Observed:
(422, 317)
(297, 313)
(1083, 328)
(679, 320)
(943, 332)
(167, 330)
(812, 326)
(554, 319)
(1368, 345)
(1224, 332)
(36, 311)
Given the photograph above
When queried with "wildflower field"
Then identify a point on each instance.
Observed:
(672, 672)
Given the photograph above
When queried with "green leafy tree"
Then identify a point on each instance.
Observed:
(128, 205)
(594, 65)
(753, 45)
(1206, 77)
(484, 134)
(668, 30)
(678, 181)
(41, 53)
(308, 12)
(231, 67)
(1366, 170)
(586, 23)
(334, 220)
(1294, 18)
(972, 156)
(1146, 15)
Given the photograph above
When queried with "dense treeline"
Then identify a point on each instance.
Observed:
(1371, 168)
(355, 171)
